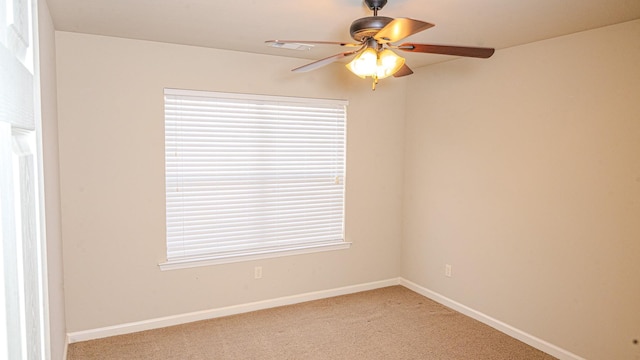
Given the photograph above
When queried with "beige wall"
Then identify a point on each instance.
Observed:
(523, 173)
(110, 101)
(47, 59)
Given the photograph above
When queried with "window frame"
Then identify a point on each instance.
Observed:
(304, 248)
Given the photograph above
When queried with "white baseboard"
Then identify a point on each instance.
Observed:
(225, 311)
(316, 295)
(526, 338)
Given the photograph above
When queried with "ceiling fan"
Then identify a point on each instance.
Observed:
(375, 37)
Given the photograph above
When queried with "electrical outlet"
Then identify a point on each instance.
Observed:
(257, 272)
(447, 270)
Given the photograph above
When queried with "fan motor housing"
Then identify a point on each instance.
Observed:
(368, 27)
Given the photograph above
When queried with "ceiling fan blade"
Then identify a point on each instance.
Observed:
(404, 71)
(478, 52)
(295, 43)
(323, 62)
(399, 29)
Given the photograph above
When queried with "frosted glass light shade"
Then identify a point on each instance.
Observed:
(365, 64)
(388, 63)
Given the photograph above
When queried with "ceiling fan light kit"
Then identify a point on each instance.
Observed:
(375, 36)
(375, 63)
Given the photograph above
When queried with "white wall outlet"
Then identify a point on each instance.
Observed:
(257, 272)
(447, 270)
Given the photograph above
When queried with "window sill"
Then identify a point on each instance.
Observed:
(225, 259)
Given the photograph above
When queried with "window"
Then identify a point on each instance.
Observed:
(251, 176)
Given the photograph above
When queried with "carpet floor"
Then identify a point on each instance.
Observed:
(387, 323)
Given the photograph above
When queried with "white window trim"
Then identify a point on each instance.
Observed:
(295, 249)
(174, 265)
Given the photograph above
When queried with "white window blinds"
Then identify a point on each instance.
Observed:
(250, 175)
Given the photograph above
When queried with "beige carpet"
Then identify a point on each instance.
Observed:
(388, 323)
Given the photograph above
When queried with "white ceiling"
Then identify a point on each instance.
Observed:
(244, 25)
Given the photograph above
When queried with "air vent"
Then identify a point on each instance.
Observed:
(290, 46)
